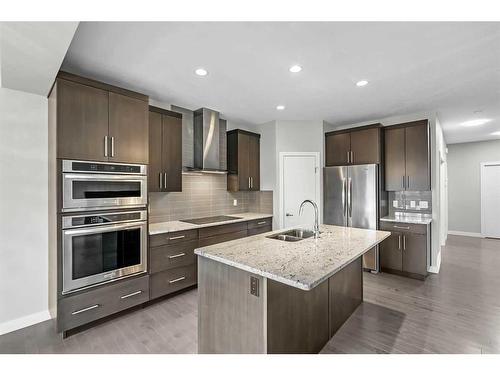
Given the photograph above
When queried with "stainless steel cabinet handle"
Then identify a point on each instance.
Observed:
(106, 145)
(251, 182)
(407, 182)
(399, 242)
(131, 294)
(403, 185)
(85, 309)
(165, 180)
(398, 227)
(261, 223)
(161, 185)
(112, 147)
(347, 157)
(352, 157)
(177, 280)
(404, 242)
(176, 256)
(177, 237)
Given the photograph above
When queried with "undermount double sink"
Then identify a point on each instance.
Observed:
(293, 235)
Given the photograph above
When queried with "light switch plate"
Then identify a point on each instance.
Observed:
(424, 204)
(413, 204)
(395, 204)
(235, 202)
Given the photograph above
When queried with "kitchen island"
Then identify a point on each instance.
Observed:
(264, 295)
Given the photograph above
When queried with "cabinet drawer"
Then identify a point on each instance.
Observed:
(222, 229)
(76, 310)
(222, 238)
(403, 227)
(171, 256)
(260, 223)
(170, 281)
(259, 230)
(173, 237)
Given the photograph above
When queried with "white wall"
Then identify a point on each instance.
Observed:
(24, 209)
(438, 175)
(464, 177)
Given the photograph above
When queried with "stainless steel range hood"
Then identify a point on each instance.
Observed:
(209, 142)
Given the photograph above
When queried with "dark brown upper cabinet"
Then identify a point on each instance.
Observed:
(407, 157)
(99, 122)
(243, 160)
(165, 150)
(354, 146)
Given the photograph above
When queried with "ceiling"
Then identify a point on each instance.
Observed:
(452, 69)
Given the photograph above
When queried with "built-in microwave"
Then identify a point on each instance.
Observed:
(102, 247)
(95, 186)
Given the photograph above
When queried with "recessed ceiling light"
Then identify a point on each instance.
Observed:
(361, 83)
(201, 72)
(280, 107)
(477, 122)
(496, 133)
(295, 68)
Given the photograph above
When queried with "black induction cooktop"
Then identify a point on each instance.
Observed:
(210, 219)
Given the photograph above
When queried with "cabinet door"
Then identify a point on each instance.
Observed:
(82, 121)
(172, 153)
(254, 161)
(365, 146)
(128, 125)
(337, 147)
(155, 168)
(417, 157)
(415, 253)
(395, 159)
(390, 252)
(243, 161)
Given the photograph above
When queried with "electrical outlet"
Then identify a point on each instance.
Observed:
(424, 204)
(413, 204)
(235, 202)
(395, 204)
(254, 286)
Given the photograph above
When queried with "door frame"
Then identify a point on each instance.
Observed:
(484, 165)
(282, 156)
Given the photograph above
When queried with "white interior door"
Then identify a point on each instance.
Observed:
(300, 180)
(490, 199)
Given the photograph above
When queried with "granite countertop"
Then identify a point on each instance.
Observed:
(303, 264)
(176, 225)
(409, 219)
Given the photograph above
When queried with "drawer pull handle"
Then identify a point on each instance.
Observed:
(177, 280)
(261, 222)
(131, 294)
(176, 256)
(395, 226)
(85, 309)
(177, 238)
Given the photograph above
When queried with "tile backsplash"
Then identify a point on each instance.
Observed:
(206, 195)
(410, 201)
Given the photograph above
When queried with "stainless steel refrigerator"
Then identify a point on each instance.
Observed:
(351, 199)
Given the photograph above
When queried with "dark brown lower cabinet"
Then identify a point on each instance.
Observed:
(405, 252)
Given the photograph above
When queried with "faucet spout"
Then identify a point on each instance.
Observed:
(316, 215)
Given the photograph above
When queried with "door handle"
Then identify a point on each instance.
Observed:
(404, 241)
(403, 185)
(352, 157)
(161, 185)
(261, 222)
(407, 182)
(165, 180)
(177, 280)
(347, 157)
(350, 197)
(176, 256)
(399, 242)
(249, 182)
(398, 227)
(85, 309)
(177, 237)
(343, 196)
(106, 145)
(112, 147)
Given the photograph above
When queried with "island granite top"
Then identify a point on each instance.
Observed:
(303, 264)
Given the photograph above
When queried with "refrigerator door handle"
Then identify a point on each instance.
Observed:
(349, 197)
(343, 197)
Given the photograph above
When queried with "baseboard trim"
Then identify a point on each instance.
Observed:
(468, 234)
(25, 321)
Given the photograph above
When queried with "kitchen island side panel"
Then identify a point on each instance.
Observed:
(231, 320)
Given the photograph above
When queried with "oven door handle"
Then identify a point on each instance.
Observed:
(103, 177)
(104, 228)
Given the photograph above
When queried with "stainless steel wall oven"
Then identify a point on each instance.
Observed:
(102, 247)
(95, 186)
